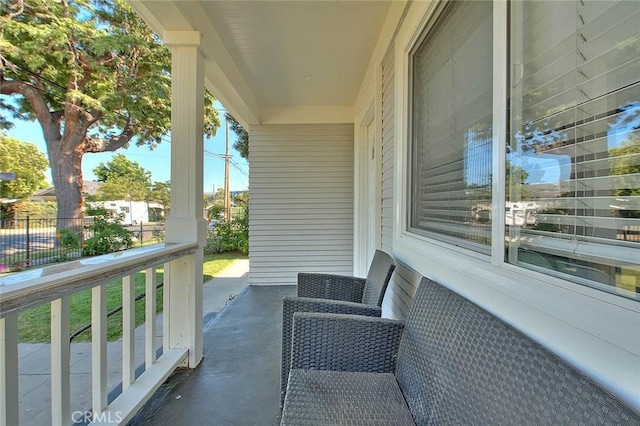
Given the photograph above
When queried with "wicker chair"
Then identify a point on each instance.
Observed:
(338, 294)
(450, 363)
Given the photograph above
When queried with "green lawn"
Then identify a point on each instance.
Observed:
(33, 325)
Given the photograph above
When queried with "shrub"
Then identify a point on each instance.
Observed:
(69, 240)
(229, 236)
(46, 209)
(215, 212)
(108, 236)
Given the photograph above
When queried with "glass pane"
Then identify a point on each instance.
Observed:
(452, 128)
(573, 162)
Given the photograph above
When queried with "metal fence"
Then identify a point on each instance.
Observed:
(29, 242)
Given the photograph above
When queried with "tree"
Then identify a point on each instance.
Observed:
(515, 173)
(121, 188)
(123, 179)
(624, 165)
(215, 211)
(161, 193)
(218, 196)
(29, 165)
(95, 77)
(242, 198)
(121, 166)
(242, 136)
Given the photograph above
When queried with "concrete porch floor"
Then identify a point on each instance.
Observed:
(238, 381)
(35, 358)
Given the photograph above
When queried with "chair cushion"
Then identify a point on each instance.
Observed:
(316, 397)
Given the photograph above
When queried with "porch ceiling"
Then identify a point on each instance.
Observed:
(273, 61)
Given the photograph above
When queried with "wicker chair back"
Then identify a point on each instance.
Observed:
(459, 364)
(378, 277)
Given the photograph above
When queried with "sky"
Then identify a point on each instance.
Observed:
(158, 161)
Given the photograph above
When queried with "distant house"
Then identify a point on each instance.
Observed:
(130, 212)
(44, 195)
(49, 194)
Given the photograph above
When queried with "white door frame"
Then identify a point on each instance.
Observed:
(367, 192)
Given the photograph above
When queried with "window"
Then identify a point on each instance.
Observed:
(573, 161)
(572, 202)
(451, 128)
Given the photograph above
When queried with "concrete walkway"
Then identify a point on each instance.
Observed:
(34, 361)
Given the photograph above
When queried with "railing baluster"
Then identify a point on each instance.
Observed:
(99, 347)
(128, 331)
(60, 361)
(94, 276)
(150, 317)
(166, 305)
(9, 370)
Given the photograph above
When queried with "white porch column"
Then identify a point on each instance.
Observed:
(186, 222)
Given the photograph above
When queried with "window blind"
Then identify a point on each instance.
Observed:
(575, 150)
(451, 127)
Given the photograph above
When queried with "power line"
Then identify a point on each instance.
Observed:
(28, 71)
(60, 87)
(222, 157)
(163, 138)
(213, 154)
(147, 155)
(241, 179)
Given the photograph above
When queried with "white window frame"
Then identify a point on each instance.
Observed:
(444, 240)
(584, 325)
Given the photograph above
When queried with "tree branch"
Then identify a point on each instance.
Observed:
(57, 115)
(112, 143)
(15, 9)
(94, 116)
(106, 58)
(31, 93)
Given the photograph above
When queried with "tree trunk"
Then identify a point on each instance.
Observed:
(66, 170)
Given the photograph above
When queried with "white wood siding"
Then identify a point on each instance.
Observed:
(387, 150)
(301, 202)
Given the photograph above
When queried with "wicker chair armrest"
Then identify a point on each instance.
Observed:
(330, 286)
(340, 342)
(291, 305)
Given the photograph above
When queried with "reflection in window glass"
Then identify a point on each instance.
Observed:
(573, 162)
(452, 128)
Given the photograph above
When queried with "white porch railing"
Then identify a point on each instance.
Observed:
(54, 285)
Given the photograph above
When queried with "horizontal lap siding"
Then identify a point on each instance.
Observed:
(301, 201)
(402, 286)
(387, 164)
(387, 151)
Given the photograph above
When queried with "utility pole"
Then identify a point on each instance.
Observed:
(227, 199)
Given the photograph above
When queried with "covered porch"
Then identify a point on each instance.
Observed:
(299, 110)
(324, 89)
